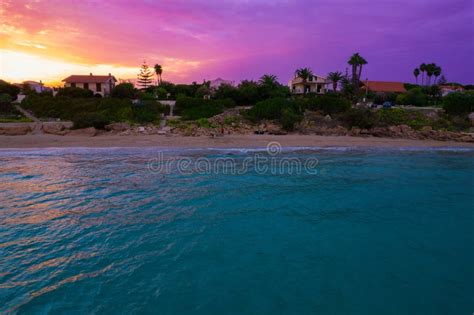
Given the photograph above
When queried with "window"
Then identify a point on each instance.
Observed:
(98, 87)
(73, 84)
(86, 86)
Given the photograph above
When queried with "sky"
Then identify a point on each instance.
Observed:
(195, 40)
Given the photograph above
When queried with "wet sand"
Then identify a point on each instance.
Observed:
(228, 141)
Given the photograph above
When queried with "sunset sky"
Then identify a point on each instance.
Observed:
(234, 39)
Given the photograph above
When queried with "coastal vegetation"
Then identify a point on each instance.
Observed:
(259, 102)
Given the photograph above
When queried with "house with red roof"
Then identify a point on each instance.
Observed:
(383, 86)
(98, 84)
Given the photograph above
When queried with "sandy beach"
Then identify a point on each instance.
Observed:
(229, 141)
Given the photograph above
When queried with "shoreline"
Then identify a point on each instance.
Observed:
(229, 141)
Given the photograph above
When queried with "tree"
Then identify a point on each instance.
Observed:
(144, 76)
(9, 89)
(423, 70)
(159, 72)
(335, 78)
(437, 73)
(304, 74)
(357, 62)
(430, 71)
(268, 80)
(416, 73)
(442, 80)
(124, 90)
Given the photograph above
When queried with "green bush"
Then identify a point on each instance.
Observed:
(10, 89)
(203, 123)
(268, 109)
(124, 90)
(459, 103)
(145, 96)
(191, 108)
(399, 116)
(329, 103)
(75, 92)
(6, 103)
(85, 120)
(116, 109)
(414, 97)
(289, 118)
(362, 118)
(287, 112)
(148, 111)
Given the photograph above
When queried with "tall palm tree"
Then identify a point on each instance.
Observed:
(437, 73)
(357, 62)
(430, 71)
(268, 79)
(416, 73)
(335, 77)
(159, 72)
(423, 70)
(304, 74)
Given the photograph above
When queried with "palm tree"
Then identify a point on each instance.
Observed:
(416, 73)
(159, 72)
(335, 77)
(304, 74)
(423, 70)
(430, 71)
(356, 61)
(437, 73)
(268, 79)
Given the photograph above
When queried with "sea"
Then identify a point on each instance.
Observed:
(237, 231)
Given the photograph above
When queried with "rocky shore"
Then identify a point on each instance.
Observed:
(231, 123)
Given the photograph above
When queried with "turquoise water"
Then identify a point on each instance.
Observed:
(371, 232)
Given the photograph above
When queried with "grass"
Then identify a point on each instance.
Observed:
(14, 120)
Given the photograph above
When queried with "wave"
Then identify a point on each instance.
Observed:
(236, 150)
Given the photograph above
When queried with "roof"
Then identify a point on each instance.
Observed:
(383, 86)
(88, 78)
(452, 87)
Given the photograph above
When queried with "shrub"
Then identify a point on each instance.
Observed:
(414, 97)
(116, 109)
(268, 109)
(329, 103)
(145, 96)
(10, 89)
(161, 93)
(75, 92)
(191, 108)
(84, 120)
(6, 103)
(458, 103)
(399, 116)
(287, 112)
(225, 91)
(203, 123)
(360, 117)
(148, 111)
(289, 118)
(124, 90)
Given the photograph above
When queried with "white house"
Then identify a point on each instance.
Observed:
(98, 84)
(315, 84)
(38, 87)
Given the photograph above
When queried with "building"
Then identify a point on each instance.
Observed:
(383, 86)
(315, 85)
(38, 87)
(214, 84)
(98, 84)
(448, 89)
